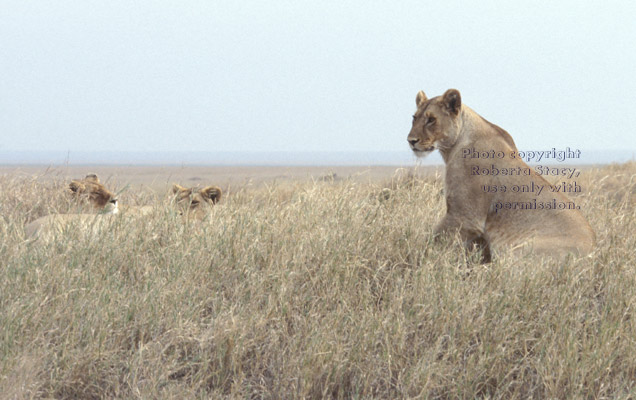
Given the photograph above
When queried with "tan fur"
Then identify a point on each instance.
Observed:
(191, 203)
(195, 202)
(91, 190)
(88, 189)
(138, 210)
(444, 123)
(50, 226)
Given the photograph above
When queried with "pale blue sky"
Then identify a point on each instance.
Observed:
(310, 75)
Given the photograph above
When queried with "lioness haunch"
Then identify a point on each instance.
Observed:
(445, 124)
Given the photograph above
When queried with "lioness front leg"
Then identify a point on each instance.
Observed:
(450, 224)
(471, 232)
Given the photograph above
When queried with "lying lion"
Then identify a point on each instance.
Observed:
(189, 202)
(195, 202)
(91, 190)
(480, 156)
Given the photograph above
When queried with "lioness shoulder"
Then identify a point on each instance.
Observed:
(444, 123)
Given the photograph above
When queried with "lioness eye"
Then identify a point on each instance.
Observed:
(430, 120)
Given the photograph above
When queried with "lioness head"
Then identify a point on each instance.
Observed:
(435, 122)
(95, 193)
(193, 200)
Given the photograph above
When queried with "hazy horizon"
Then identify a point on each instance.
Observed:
(275, 158)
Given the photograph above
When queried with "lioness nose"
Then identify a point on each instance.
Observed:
(412, 141)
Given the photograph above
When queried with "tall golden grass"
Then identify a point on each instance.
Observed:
(312, 290)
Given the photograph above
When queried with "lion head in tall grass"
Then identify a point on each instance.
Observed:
(195, 201)
(92, 191)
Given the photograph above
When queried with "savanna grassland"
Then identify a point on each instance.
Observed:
(325, 288)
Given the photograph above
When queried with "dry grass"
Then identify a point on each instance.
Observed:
(326, 289)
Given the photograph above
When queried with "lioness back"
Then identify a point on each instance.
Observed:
(482, 204)
(50, 226)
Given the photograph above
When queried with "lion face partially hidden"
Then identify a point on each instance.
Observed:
(194, 201)
(493, 220)
(92, 191)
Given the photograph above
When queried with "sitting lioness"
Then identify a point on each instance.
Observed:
(493, 199)
(91, 189)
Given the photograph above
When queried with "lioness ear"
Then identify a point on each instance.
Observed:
(420, 98)
(92, 178)
(76, 187)
(212, 193)
(452, 101)
(177, 188)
